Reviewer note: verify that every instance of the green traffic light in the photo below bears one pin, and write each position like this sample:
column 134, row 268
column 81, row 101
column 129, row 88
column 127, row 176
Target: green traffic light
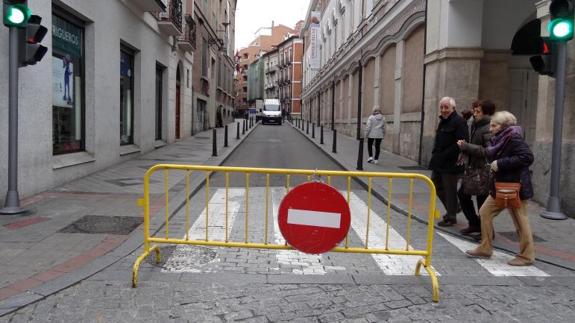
column 561, row 29
column 16, row 15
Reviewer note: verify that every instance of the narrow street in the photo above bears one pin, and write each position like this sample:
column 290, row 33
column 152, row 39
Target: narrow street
column 208, row 284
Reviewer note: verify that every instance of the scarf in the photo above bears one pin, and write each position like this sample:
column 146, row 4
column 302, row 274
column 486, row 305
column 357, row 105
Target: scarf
column 501, row 138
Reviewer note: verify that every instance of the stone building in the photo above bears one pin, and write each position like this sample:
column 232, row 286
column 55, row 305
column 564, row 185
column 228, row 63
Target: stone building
column 403, row 56
column 213, row 87
column 116, row 82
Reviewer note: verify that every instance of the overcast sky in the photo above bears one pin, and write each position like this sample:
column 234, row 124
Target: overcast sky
column 253, row 14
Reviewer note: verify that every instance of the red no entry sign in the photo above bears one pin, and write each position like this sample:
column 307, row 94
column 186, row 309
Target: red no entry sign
column 314, row 217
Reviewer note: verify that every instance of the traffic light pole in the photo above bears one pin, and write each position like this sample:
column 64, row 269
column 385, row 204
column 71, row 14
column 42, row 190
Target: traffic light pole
column 553, row 210
column 12, row 202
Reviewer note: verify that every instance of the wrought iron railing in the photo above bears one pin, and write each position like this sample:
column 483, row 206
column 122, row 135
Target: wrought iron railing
column 173, row 14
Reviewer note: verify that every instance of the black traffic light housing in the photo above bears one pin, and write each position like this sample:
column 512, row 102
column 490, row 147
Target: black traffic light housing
column 30, row 51
column 546, row 62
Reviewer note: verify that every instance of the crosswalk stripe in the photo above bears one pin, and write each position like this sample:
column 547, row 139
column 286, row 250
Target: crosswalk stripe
column 497, row 265
column 308, row 264
column 389, row 264
column 180, row 260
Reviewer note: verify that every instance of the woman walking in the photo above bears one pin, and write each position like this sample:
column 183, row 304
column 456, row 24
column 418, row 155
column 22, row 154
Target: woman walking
column 476, row 177
column 510, row 158
column 374, row 131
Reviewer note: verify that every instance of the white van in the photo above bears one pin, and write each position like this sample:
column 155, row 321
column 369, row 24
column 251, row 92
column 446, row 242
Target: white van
column 272, row 112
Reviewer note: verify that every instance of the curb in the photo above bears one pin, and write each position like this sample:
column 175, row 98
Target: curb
column 131, row 244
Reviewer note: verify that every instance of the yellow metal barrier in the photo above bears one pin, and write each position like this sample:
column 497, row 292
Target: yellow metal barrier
column 151, row 242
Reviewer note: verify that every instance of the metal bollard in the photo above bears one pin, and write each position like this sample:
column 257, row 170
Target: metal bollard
column 360, row 155
column 307, row 129
column 334, row 142
column 238, row 131
column 226, row 136
column 214, row 143
column 313, row 130
column 244, row 127
column 321, row 135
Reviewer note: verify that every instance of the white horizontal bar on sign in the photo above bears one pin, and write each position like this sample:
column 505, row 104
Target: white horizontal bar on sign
column 314, row 218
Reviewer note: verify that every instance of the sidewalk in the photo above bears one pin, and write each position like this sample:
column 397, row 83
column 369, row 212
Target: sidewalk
column 554, row 240
column 77, row 229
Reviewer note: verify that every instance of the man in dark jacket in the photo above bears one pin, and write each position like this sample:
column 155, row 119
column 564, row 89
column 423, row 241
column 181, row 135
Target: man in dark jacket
column 444, row 158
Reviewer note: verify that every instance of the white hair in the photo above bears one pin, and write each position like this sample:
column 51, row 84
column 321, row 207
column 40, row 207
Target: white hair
column 449, row 100
column 504, row 118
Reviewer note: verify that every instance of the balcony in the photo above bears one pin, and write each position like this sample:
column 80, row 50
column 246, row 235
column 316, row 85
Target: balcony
column 151, row 5
column 170, row 21
column 187, row 42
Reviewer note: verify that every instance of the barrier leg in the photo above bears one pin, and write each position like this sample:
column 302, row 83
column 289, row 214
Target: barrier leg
column 141, row 258
column 434, row 283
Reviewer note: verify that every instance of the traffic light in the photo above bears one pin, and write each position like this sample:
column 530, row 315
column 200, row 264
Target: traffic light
column 546, row 62
column 561, row 20
column 15, row 13
column 31, row 51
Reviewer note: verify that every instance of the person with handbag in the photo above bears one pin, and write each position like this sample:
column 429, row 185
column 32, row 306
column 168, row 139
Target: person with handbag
column 510, row 188
column 475, row 181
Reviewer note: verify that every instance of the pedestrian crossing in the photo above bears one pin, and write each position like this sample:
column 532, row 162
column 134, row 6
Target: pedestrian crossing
column 185, row 258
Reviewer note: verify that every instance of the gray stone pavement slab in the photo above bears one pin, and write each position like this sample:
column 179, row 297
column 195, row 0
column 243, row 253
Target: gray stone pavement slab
column 556, row 237
column 39, row 248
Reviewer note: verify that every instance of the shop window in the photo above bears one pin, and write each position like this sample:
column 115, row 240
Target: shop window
column 159, row 90
column 126, row 96
column 68, row 80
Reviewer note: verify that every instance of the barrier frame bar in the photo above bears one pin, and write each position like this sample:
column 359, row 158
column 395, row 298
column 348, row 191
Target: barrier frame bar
column 151, row 242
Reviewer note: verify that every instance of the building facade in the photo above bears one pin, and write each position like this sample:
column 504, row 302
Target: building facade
column 116, row 82
column 290, row 55
column 213, row 87
column 264, row 42
column 271, row 74
column 404, row 56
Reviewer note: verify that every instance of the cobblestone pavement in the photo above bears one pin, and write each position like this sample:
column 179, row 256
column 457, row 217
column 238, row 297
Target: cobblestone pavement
column 236, row 299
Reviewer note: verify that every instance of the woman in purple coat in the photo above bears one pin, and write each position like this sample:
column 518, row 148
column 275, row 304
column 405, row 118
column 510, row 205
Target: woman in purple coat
column 510, row 158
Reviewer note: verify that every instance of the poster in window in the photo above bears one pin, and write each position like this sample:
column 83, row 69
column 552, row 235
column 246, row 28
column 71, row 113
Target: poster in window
column 63, row 82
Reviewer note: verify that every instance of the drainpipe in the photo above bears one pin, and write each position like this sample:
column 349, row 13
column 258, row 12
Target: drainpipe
column 420, row 161
column 359, row 92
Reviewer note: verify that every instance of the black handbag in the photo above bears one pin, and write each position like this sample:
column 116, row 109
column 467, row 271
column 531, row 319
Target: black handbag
column 476, row 180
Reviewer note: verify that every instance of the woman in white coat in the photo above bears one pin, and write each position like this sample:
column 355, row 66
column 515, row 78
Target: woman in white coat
column 374, row 132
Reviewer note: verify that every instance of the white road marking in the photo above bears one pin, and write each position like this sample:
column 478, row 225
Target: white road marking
column 389, row 264
column 180, row 260
column 497, row 265
column 314, row 218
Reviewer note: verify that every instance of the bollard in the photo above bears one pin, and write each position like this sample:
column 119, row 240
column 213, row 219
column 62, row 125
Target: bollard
column 244, row 127
column 360, row 155
column 334, row 142
column 214, row 143
column 313, row 130
column 307, row 129
column 238, row 131
column 226, row 136
column 321, row 135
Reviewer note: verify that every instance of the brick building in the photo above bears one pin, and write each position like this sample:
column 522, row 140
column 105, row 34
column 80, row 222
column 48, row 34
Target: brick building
column 290, row 55
column 264, row 42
